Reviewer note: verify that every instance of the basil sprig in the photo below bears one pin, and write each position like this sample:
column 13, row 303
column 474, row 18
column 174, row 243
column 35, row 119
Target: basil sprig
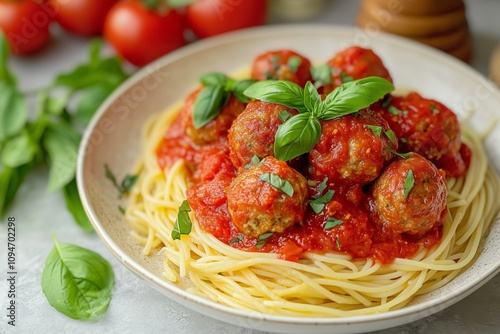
column 183, row 224
column 214, row 97
column 301, row 132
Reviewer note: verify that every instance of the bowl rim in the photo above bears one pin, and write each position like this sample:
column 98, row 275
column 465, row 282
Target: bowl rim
column 416, row 311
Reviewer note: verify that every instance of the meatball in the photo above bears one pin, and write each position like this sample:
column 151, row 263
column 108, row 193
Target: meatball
column 216, row 128
column 352, row 149
column 258, row 206
column 355, row 62
column 282, row 65
column 410, row 196
column 426, row 127
column 253, row 131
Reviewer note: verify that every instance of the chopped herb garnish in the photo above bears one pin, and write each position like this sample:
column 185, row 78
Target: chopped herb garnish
column 386, row 101
column 263, row 239
column 183, row 223
column 294, row 63
column 237, row 239
column 255, row 160
column 322, row 75
column 284, row 115
column 435, row 111
column 345, row 78
column 391, row 135
column 394, row 111
column 409, row 182
column 322, row 185
column 275, row 60
column 122, row 209
column 402, row 155
column 125, row 186
column 377, row 130
column 332, row 222
column 277, row 182
column 318, row 203
column 337, row 241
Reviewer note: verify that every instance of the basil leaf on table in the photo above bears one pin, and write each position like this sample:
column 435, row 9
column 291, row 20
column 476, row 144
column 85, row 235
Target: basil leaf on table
column 296, row 136
column 75, row 207
column 77, row 281
column 11, row 180
column 278, row 91
column 89, row 101
column 5, row 74
column 208, row 105
column 18, row 150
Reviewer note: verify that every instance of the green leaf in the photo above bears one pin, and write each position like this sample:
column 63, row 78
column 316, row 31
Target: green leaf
column 183, row 224
column 434, row 110
column 214, row 79
column 277, row 182
column 61, row 143
column 240, row 87
column 284, row 115
column 312, row 100
column 399, row 154
column 377, row 130
column 89, row 101
column 391, row 135
column 355, row 95
column 318, row 203
column 75, row 207
column 322, row 75
column 13, row 111
column 208, row 105
column 345, row 78
column 179, row 3
column 331, row 223
column 394, row 111
column 77, row 281
column 123, row 187
column 281, row 92
column 18, row 150
column 294, row 63
column 237, row 239
column 5, row 75
column 262, row 239
column 322, row 186
column 409, row 182
column 298, row 135
column 10, row 181
column 95, row 51
column 255, row 160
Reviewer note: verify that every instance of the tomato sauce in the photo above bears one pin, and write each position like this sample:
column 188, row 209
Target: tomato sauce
column 358, row 235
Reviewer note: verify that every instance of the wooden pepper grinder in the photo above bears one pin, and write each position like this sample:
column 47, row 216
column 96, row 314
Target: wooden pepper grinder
column 440, row 24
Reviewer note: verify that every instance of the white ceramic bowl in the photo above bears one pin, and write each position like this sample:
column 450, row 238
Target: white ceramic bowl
column 113, row 138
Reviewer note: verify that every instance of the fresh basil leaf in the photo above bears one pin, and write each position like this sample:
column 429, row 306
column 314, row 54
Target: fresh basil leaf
column 399, row 154
column 409, row 182
column 240, row 87
column 5, row 75
column 318, row 203
column 95, row 51
column 10, row 181
column 281, row 92
column 75, row 207
column 277, row 182
column 294, row 63
column 111, row 176
column 18, row 150
column 434, row 110
column 179, row 3
column 236, row 239
column 208, row 105
column 284, row 115
column 123, row 187
column 322, row 75
column 183, row 224
column 56, row 105
column 255, row 160
column 312, row 100
column 214, row 79
column 393, row 110
column 355, row 95
column 391, row 135
column 331, row 223
column 322, row 186
column 345, row 77
column 77, row 281
column 13, row 111
column 61, row 143
column 377, row 130
column 298, row 135
column 89, row 100
column 386, row 101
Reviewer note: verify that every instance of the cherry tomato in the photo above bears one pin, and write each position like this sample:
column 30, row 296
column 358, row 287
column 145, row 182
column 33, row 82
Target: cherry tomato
column 141, row 35
column 82, row 17
column 25, row 24
column 211, row 17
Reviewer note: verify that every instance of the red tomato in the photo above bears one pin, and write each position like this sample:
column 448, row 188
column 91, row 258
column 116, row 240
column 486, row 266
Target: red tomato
column 82, row 17
column 25, row 24
column 211, row 17
column 141, row 35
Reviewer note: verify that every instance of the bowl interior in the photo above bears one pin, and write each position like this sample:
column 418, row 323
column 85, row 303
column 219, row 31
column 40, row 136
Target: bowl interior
column 113, row 138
